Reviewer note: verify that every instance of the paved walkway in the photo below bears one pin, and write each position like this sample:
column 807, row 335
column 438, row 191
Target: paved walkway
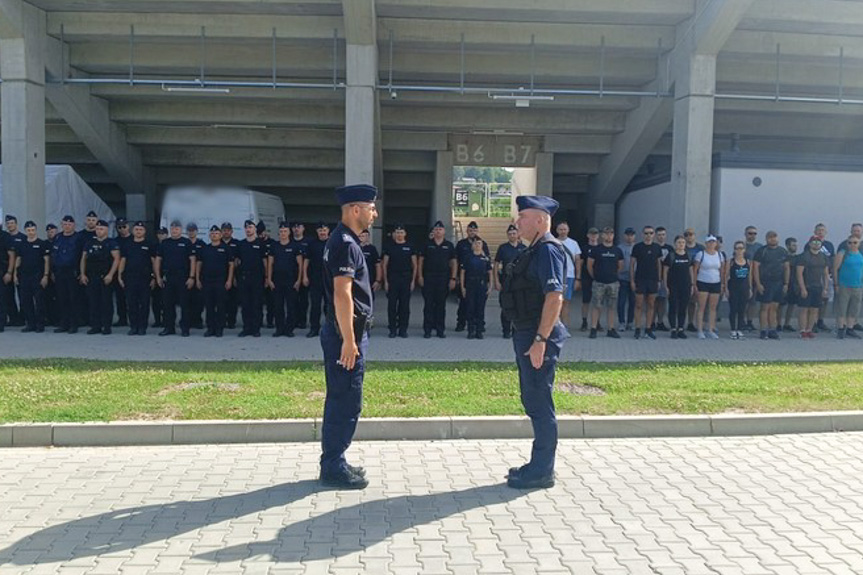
column 772, row 505
column 455, row 347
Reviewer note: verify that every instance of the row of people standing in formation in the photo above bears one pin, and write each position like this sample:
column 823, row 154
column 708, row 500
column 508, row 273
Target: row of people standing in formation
column 638, row 283
column 72, row 278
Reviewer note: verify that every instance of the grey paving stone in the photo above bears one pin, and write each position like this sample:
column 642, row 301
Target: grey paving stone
column 32, row 435
column 765, row 423
column 647, row 426
column 119, row 433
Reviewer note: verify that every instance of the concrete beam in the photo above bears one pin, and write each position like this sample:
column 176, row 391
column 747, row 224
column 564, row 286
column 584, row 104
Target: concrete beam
column 576, row 163
column 441, row 208
column 235, row 137
column 360, row 20
column 823, row 17
column 251, row 177
column 276, row 7
column 706, row 33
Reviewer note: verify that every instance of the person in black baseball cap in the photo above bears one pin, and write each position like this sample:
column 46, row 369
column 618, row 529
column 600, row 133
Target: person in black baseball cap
column 196, row 297
column 251, row 265
column 400, row 270
column 505, row 255
column 124, row 238
column 301, row 310
column 284, row 276
column 32, row 270
column 463, row 250
column 436, row 275
column 99, row 266
column 137, row 258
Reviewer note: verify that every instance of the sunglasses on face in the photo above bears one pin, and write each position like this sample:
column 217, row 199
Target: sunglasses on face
column 688, row 235
column 648, row 233
column 739, row 247
column 751, row 233
column 853, row 243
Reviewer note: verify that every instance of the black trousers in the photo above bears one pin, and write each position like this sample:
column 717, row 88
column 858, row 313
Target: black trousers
column 12, row 312
column 100, row 304
column 435, row 292
column 196, row 307
column 269, row 303
column 399, row 302
column 251, row 290
column 2, row 303
column 138, row 302
column 316, row 303
column 302, row 308
column 215, row 298
column 738, row 297
column 476, row 298
column 285, row 303
column 461, row 314
column 68, row 297
column 157, row 306
column 32, row 296
column 232, row 304
column 505, row 322
column 176, row 294
column 678, row 301
column 120, row 296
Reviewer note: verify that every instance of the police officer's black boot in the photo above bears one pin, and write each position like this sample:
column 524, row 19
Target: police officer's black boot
column 403, row 333
column 471, row 334
column 168, row 331
column 392, row 334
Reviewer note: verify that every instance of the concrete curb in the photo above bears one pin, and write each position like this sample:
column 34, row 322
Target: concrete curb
column 124, row 433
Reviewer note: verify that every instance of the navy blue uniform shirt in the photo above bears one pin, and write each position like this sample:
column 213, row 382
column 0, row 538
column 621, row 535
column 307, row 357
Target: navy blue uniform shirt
column 548, row 266
column 507, row 253
column 139, row 259
column 100, row 255
column 463, row 249
column 175, row 256
column 285, row 259
column 214, row 262
column 399, row 258
column 5, row 248
column 250, row 257
column 476, row 267
column 32, row 256
column 315, row 254
column 343, row 257
column 437, row 258
column 66, row 250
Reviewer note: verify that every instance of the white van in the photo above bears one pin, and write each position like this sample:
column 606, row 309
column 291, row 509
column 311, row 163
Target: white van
column 208, row 206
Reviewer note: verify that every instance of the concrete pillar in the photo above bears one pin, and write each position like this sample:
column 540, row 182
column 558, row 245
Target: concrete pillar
column 442, row 201
column 603, row 215
column 544, row 173
column 692, row 147
column 361, row 126
column 22, row 67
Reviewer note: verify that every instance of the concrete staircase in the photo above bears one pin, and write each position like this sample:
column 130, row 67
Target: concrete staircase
column 492, row 230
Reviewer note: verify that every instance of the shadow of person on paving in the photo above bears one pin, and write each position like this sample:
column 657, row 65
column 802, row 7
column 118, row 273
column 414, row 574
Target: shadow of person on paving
column 346, row 530
column 132, row 527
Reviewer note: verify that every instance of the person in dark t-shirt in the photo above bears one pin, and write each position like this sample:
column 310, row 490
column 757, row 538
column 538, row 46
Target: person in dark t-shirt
column 645, row 264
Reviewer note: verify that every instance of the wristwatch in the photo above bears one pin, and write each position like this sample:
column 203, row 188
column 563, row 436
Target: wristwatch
column 539, row 339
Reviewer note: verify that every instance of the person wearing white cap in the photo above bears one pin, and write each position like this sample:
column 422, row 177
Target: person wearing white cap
column 710, row 285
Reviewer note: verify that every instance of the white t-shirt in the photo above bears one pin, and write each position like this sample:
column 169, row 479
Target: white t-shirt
column 709, row 270
column 575, row 250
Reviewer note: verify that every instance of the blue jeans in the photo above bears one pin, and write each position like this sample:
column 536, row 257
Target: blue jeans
column 625, row 303
column 344, row 399
column 536, row 387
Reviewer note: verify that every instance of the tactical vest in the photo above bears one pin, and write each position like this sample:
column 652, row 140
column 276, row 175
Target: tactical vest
column 522, row 296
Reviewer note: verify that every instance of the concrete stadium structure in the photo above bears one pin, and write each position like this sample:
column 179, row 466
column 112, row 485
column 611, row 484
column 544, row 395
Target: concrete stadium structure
column 295, row 97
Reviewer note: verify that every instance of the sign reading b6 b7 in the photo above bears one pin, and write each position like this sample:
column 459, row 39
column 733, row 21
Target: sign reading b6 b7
column 506, row 151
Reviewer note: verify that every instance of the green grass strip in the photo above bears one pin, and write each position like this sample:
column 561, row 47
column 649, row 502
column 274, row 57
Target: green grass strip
column 80, row 390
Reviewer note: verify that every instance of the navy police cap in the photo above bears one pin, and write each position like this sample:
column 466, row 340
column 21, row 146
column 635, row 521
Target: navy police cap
column 176, row 224
column 438, row 224
column 10, row 218
column 191, row 227
column 472, row 226
column 120, row 222
column 68, row 218
column 227, row 226
column 284, row 226
column 511, row 228
column 102, row 223
column 29, row 224
column 356, row 193
column 215, row 228
column 322, row 225
column 139, row 224
column 261, row 227
column 92, row 214
column 50, row 227
column 163, row 231
column 399, row 228
column 542, row 203
column 248, row 223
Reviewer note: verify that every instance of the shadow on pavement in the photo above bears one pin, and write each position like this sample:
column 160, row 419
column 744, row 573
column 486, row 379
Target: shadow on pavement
column 335, row 533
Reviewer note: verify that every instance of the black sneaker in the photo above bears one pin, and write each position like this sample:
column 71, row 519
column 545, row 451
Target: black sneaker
column 840, row 333
column 427, row 335
column 638, row 333
column 681, row 334
column 459, row 327
column 749, row 326
column 478, row 335
column 772, row 334
column 857, row 327
column 441, row 335
column 599, row 326
column 649, row 333
column 345, row 479
column 592, row 333
column 674, row 334
column 584, row 325
column 612, row 333
column 507, row 335
column 93, row 331
column 519, row 482
column 313, row 333
column 167, row 331
column 403, row 334
column 661, row 327
column 763, row 334
column 691, row 328
column 820, row 325
column 392, row 334
column 787, row 328
column 852, row 334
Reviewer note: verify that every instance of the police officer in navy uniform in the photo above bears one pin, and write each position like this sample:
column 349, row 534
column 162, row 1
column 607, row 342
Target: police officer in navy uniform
column 250, row 257
column 232, row 303
column 7, row 272
column 373, row 261
column 533, row 296
column 156, row 300
column 196, row 298
column 52, row 313
column 87, row 234
column 32, row 271
column 298, row 237
column 269, row 295
column 400, row 270
column 505, row 255
column 284, row 278
column 175, row 274
column 313, row 264
column 436, row 275
column 13, row 313
column 65, row 266
column 99, row 264
column 463, row 250
column 136, row 276
column 215, row 275
column 476, row 280
column 124, row 238
column 344, row 337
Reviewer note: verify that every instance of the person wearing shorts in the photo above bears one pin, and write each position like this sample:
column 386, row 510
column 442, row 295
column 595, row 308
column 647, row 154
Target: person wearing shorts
column 604, row 264
column 771, row 273
column 811, row 277
column 848, row 271
column 587, row 280
column 790, row 301
column 738, row 286
column 645, row 266
column 573, row 269
column 710, row 285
